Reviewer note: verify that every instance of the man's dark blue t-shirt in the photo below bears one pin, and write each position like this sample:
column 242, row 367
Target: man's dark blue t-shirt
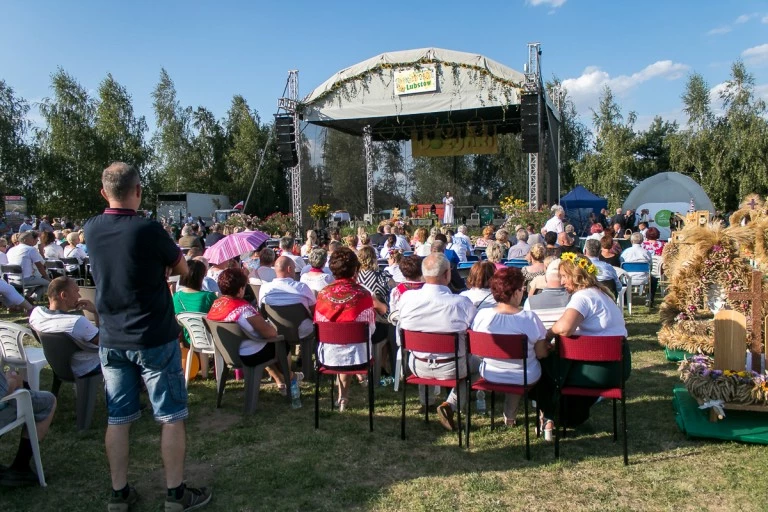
column 129, row 256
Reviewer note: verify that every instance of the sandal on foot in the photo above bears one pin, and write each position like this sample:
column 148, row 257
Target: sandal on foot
column 283, row 389
column 342, row 404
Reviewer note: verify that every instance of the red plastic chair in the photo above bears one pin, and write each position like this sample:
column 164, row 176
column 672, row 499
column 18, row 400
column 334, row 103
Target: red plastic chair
column 593, row 349
column 500, row 346
column 343, row 333
column 435, row 343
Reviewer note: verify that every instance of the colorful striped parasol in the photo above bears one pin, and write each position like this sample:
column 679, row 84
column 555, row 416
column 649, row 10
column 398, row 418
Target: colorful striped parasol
column 232, row 246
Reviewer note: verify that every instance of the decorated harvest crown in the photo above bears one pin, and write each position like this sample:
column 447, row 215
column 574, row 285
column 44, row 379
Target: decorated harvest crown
column 580, row 261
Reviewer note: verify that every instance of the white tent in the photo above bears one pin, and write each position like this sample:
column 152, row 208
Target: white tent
column 371, row 91
column 665, row 194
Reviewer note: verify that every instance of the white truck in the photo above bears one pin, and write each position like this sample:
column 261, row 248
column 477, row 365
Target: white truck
column 176, row 206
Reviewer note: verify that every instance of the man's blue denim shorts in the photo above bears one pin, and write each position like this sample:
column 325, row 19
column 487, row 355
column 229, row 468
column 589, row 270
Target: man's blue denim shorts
column 159, row 367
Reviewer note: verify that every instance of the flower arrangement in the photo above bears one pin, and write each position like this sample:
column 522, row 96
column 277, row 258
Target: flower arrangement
column 731, row 386
column 319, row 211
column 278, row 224
column 580, row 261
column 518, row 211
column 413, row 209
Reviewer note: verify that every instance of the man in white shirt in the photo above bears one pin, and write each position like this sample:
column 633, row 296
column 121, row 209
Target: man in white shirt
column 284, row 291
column 26, row 225
column 433, row 308
column 63, row 315
column 462, row 238
column 286, row 249
column 556, row 222
column 521, row 249
column 636, row 254
column 402, row 243
column 537, row 238
column 32, row 265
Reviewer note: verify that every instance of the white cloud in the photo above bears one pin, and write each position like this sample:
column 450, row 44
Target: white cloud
column 719, row 31
column 714, row 97
column 765, row 20
column 744, row 18
column 756, row 54
column 552, row 3
column 585, row 89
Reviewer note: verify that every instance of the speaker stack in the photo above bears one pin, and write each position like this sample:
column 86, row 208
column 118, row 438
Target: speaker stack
column 529, row 122
column 286, row 140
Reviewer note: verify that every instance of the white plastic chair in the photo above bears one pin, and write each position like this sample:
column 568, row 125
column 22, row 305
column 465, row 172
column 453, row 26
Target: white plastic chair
column 200, row 340
column 624, row 298
column 25, row 416
column 30, row 360
column 173, row 283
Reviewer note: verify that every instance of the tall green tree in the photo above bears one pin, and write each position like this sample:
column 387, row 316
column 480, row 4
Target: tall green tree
column 16, row 150
column 174, row 156
column 71, row 159
column 246, row 141
column 344, row 157
column 606, row 170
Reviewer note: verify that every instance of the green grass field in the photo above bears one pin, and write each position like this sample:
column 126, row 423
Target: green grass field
column 275, row 460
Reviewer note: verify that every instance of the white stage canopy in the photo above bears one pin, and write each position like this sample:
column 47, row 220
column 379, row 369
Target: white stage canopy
column 399, row 91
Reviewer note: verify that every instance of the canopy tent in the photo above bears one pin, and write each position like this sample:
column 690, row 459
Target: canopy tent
column 665, row 194
column 579, row 203
column 466, row 88
column 447, row 103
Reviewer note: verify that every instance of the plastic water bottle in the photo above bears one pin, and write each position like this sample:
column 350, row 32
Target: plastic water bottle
column 386, row 381
column 296, row 390
column 480, row 403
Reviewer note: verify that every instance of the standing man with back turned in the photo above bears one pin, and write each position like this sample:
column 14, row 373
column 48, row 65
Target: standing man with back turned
column 130, row 256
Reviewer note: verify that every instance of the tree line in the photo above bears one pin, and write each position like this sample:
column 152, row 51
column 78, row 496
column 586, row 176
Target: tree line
column 58, row 165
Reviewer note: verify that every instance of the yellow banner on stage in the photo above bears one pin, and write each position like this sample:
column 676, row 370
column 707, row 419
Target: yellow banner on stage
column 469, row 143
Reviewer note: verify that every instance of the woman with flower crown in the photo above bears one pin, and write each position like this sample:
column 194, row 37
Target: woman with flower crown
column 591, row 311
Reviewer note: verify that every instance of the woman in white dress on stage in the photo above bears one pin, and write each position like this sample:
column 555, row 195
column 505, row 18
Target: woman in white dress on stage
column 448, row 211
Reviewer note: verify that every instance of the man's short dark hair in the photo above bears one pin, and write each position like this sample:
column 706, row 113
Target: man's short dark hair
column 119, row 179
column 592, row 247
column 58, row 285
column 550, row 238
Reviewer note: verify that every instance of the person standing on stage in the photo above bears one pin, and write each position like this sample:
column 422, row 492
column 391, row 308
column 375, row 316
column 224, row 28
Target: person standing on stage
column 448, row 212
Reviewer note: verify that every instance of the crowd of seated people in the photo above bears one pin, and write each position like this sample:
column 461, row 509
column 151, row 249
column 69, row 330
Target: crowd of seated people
column 371, row 279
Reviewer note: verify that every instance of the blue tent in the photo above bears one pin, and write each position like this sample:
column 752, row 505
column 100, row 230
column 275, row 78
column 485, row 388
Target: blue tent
column 578, row 204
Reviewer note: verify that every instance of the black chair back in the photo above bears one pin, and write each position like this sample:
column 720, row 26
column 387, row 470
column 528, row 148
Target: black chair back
column 286, row 319
column 227, row 337
column 59, row 348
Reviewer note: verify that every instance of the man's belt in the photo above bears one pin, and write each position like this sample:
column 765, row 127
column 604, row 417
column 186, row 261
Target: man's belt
column 435, row 361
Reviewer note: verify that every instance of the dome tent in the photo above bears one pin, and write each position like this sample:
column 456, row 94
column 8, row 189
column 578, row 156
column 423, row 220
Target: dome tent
column 665, row 194
column 579, row 203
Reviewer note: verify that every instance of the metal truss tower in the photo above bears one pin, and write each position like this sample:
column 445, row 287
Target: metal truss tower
column 533, row 86
column 289, row 104
column 369, row 169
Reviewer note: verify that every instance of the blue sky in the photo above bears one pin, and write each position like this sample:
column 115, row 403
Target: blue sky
column 212, row 50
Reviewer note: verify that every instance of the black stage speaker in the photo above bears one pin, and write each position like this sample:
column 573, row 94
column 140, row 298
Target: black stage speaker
column 286, row 140
column 529, row 123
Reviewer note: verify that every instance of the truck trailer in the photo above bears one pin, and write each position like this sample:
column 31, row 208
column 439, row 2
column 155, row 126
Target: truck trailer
column 176, row 206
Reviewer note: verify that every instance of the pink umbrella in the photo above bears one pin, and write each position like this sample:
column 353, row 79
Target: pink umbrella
column 234, row 245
